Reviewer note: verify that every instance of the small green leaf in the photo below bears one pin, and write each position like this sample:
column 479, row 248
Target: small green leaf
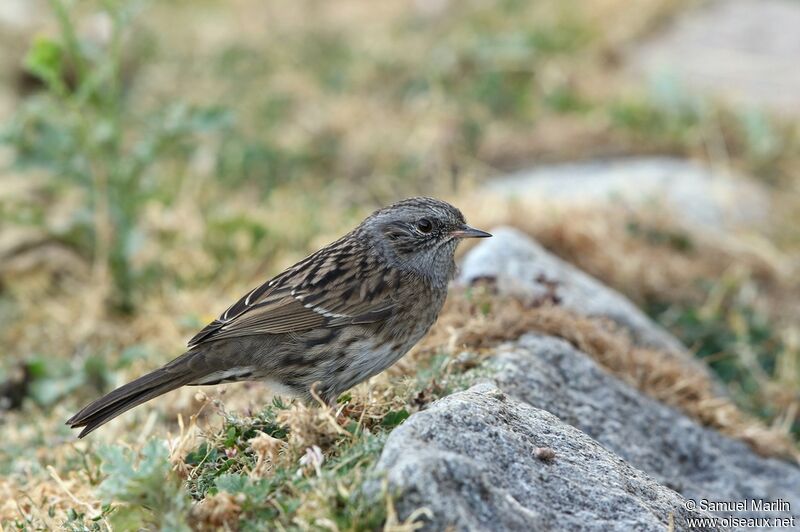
column 37, row 368
column 201, row 454
column 231, row 436
column 394, row 418
column 344, row 398
column 231, row 483
column 45, row 59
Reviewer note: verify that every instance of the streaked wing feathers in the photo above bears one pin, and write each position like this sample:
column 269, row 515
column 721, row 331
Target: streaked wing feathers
column 336, row 286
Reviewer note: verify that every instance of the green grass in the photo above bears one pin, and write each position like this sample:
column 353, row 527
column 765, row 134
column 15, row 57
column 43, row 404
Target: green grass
column 334, row 494
column 333, row 491
column 231, row 454
column 84, row 128
column 744, row 346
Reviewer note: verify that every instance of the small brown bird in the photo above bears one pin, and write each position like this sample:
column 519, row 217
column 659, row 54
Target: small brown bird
column 331, row 321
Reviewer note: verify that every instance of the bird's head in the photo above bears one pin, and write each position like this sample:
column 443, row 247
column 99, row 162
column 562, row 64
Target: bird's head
column 420, row 234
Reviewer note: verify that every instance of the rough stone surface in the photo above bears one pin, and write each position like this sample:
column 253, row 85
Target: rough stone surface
column 699, row 463
column 471, row 460
column 522, row 267
column 746, row 51
column 697, row 196
column 555, row 442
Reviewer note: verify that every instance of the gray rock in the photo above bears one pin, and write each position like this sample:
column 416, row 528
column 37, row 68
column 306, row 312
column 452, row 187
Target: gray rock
column 478, row 460
column 698, row 196
column 471, row 460
column 745, row 51
column 522, row 267
column 698, row 462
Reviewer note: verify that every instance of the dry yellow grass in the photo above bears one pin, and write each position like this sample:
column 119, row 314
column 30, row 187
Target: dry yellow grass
column 217, row 512
column 660, row 260
column 465, row 325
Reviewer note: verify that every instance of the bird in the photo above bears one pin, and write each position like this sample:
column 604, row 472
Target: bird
column 336, row 318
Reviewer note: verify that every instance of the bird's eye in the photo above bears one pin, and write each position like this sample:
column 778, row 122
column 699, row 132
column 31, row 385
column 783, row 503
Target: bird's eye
column 425, row 225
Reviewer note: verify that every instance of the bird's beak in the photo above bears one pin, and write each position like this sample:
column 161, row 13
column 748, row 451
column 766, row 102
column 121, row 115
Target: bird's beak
column 469, row 232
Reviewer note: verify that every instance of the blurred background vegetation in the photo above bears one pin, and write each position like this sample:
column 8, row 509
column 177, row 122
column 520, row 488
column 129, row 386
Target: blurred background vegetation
column 159, row 158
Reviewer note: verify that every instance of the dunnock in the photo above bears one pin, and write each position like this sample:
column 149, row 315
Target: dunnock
column 331, row 321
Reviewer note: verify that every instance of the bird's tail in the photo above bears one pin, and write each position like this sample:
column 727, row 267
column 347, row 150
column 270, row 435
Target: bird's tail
column 177, row 373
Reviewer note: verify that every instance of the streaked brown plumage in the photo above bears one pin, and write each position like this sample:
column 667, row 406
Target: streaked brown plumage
column 332, row 320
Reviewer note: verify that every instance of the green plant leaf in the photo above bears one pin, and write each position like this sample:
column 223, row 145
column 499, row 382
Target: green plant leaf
column 394, row 418
column 231, row 483
column 45, row 59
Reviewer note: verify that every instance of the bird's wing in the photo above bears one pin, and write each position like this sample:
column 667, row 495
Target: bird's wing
column 336, row 286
